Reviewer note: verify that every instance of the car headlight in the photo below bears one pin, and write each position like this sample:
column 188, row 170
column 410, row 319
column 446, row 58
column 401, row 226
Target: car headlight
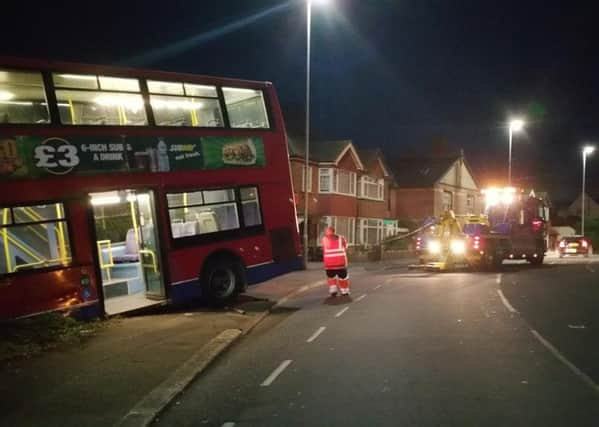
column 434, row 246
column 457, row 247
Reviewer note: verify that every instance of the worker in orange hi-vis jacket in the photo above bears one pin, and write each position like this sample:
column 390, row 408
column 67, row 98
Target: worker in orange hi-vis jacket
column 335, row 261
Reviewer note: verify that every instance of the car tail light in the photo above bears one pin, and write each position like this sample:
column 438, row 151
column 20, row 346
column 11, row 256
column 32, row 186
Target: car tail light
column 537, row 225
column 476, row 243
column 584, row 243
column 562, row 244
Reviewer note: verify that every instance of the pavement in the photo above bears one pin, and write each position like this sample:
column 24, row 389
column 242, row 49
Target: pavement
column 126, row 373
column 413, row 349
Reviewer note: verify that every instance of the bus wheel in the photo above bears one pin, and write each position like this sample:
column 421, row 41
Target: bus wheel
column 221, row 280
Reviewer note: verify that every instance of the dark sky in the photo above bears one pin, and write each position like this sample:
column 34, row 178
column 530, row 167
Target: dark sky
column 404, row 75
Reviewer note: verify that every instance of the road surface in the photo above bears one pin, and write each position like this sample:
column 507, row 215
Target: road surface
column 416, row 349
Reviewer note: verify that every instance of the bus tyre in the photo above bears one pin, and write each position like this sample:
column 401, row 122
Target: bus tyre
column 221, row 280
column 537, row 260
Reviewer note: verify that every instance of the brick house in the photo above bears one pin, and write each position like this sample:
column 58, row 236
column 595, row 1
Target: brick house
column 348, row 189
column 429, row 186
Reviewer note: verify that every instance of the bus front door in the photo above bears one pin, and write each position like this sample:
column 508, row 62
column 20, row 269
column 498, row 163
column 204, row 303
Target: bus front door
column 128, row 249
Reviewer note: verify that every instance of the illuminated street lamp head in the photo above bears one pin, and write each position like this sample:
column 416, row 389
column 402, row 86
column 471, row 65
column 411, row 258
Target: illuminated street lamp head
column 516, row 125
column 588, row 149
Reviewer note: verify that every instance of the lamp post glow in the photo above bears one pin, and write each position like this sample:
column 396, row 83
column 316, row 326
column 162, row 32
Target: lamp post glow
column 586, row 150
column 516, row 125
column 307, row 144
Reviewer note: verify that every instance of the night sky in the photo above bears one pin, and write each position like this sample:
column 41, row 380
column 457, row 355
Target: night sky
column 409, row 76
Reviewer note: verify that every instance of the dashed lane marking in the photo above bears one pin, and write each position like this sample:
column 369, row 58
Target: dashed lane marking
column 506, row 302
column 377, row 287
column 316, row 334
column 584, row 377
column 361, row 297
column 498, row 278
column 229, row 424
column 273, row 376
column 341, row 312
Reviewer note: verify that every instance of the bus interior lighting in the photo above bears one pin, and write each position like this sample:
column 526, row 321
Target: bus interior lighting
column 105, row 200
column 239, row 89
column 16, row 102
column 77, row 77
column 6, row 95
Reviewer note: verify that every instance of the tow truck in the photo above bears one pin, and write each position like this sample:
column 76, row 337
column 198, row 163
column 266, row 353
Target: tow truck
column 513, row 226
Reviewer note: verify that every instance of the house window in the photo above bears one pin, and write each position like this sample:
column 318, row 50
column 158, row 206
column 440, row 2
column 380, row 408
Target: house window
column 370, row 231
column 337, row 181
column 372, row 188
column 470, row 203
column 344, row 226
column 309, row 178
column 325, row 183
column 346, row 182
column 447, row 201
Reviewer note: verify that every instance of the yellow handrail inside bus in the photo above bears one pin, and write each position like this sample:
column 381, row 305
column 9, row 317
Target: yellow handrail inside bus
column 35, row 217
column 154, row 264
column 122, row 115
column 185, row 200
column 194, row 117
column 105, row 265
column 5, row 212
column 62, row 249
column 72, row 111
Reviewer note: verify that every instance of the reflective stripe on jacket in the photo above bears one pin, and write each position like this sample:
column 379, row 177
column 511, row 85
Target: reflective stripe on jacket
column 333, row 252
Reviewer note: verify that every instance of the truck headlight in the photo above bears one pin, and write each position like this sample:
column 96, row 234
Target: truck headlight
column 434, row 246
column 457, row 247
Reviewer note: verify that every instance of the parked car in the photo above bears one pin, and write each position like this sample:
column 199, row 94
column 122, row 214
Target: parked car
column 575, row 245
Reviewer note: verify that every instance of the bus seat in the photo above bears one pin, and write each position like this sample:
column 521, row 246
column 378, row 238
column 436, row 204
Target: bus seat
column 189, row 228
column 177, row 229
column 131, row 253
column 207, row 222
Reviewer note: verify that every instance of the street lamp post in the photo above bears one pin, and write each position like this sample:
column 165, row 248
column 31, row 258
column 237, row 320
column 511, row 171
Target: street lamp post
column 307, row 143
column 586, row 150
column 516, row 125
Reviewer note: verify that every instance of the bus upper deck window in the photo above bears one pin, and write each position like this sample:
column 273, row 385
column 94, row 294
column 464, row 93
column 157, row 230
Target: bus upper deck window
column 22, row 98
column 185, row 104
column 246, row 108
column 85, row 99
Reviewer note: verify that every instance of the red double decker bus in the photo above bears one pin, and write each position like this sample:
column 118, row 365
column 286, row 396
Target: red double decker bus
column 122, row 188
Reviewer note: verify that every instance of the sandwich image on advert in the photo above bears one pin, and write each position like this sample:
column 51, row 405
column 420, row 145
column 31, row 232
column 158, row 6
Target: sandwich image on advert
column 239, row 153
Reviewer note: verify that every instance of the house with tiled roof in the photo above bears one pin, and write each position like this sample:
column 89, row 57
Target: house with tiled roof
column 428, row 186
column 348, row 188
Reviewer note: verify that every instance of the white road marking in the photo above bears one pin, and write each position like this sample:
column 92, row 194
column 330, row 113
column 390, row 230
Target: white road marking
column 341, row 312
column 229, row 424
column 588, row 267
column 378, row 287
column 361, row 297
column 498, row 278
column 506, row 302
column 272, row 377
column 316, row 334
column 584, row 377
